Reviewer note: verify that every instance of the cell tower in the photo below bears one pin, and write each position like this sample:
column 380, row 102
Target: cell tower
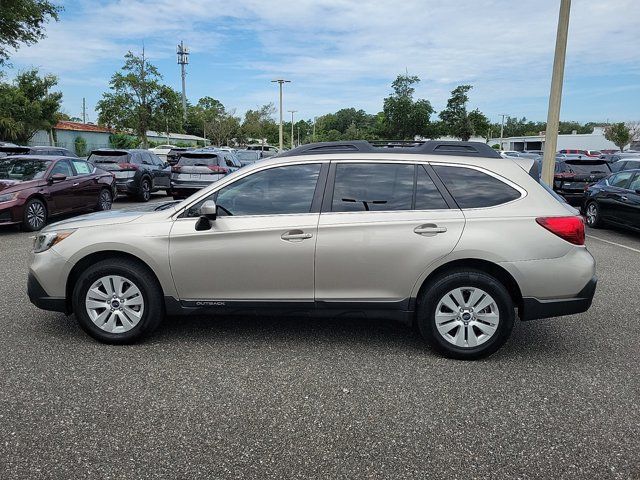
column 183, row 60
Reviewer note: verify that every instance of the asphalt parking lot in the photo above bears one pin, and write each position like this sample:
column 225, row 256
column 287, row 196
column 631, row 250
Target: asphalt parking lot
column 298, row 398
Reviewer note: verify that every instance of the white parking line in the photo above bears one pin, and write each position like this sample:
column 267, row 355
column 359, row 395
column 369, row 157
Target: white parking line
column 614, row 243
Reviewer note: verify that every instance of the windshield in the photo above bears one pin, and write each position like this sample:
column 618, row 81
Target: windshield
column 22, row 169
column 588, row 167
column 108, row 158
column 201, row 160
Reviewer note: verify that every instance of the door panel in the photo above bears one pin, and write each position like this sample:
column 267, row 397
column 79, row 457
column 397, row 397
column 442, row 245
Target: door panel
column 378, row 256
column 245, row 258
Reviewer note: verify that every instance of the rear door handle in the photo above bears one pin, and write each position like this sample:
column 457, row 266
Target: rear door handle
column 295, row 236
column 76, row 184
column 429, row 229
column 624, row 198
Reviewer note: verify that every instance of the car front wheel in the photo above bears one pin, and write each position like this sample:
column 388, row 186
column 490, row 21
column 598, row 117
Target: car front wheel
column 34, row 216
column 117, row 301
column 466, row 314
column 592, row 215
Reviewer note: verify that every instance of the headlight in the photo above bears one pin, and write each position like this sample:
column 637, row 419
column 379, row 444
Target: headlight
column 44, row 241
column 7, row 197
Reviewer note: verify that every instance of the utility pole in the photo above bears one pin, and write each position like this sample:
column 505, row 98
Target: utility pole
column 292, row 112
column 166, row 121
column 502, row 129
column 314, row 128
column 555, row 95
column 183, row 60
column 84, row 110
column 280, row 82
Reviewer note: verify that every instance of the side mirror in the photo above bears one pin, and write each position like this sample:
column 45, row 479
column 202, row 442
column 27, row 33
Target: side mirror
column 58, row 177
column 638, row 191
column 208, row 212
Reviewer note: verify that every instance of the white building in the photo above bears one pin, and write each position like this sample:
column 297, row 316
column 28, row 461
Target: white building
column 581, row 141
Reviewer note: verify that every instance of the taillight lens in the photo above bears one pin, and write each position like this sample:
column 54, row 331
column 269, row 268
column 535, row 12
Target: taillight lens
column 175, row 169
column 570, row 229
column 218, row 169
column 128, row 166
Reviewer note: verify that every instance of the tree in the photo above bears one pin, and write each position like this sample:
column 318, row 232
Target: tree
column 27, row 105
column 405, row 118
column 138, row 101
column 619, row 134
column 22, row 22
column 480, row 124
column 454, row 117
column 259, row 124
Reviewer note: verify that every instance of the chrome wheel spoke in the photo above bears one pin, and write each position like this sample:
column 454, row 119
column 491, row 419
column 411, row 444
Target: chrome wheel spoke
column 458, row 296
column 484, row 328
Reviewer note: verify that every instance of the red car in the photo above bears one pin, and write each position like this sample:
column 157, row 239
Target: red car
column 34, row 188
column 588, row 153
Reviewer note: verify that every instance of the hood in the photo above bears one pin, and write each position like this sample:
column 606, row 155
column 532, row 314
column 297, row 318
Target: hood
column 16, row 185
column 112, row 217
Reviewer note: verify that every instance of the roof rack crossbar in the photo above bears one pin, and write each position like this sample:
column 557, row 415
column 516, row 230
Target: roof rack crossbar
column 419, row 147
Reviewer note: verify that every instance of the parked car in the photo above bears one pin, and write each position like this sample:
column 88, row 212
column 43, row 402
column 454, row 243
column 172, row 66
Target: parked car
column 162, row 151
column 447, row 236
column 626, row 163
column 138, row 172
column 573, row 176
column 617, row 159
column 614, row 200
column 265, row 150
column 199, row 168
column 588, row 153
column 174, row 154
column 7, row 150
column 35, row 188
column 248, row 157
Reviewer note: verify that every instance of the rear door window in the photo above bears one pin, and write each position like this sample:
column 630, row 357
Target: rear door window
column 373, row 187
column 82, row 167
column 472, row 188
column 428, row 196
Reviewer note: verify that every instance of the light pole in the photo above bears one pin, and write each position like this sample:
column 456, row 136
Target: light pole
column 314, row 128
column 555, row 95
column 502, row 129
column 183, row 59
column 280, row 82
column 292, row 112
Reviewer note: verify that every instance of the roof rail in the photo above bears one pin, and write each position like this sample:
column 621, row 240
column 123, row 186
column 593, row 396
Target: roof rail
column 419, row 147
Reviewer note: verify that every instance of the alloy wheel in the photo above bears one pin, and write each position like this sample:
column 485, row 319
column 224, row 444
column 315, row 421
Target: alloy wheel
column 105, row 200
column 146, row 190
column 114, row 304
column 592, row 214
column 36, row 215
column 467, row 317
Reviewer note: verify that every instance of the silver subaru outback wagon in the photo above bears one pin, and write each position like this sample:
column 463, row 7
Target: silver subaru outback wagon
column 446, row 236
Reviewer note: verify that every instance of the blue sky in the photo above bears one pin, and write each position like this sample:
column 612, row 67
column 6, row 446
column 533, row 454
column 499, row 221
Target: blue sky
column 341, row 53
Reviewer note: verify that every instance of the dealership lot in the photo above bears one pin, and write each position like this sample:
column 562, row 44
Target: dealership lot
column 302, row 398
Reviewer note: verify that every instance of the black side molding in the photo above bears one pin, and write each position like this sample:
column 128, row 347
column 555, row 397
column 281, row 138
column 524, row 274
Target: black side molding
column 533, row 309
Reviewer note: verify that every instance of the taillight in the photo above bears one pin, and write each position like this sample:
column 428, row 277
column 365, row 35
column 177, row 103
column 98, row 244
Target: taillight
column 218, row 169
column 175, row 169
column 128, row 166
column 570, row 229
column 565, row 175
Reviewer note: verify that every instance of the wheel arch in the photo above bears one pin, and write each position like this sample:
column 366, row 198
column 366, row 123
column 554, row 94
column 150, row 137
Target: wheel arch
column 95, row 257
column 485, row 266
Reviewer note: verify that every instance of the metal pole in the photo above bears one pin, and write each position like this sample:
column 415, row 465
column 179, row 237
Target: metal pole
column 502, row 131
column 292, row 112
column 280, row 82
column 314, row 128
column 183, row 60
column 84, row 111
column 555, row 95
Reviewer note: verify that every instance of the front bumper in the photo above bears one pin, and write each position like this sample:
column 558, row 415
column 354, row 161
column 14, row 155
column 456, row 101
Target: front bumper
column 533, row 308
column 38, row 296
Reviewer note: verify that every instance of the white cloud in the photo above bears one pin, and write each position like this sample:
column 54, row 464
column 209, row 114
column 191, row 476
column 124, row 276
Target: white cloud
column 345, row 47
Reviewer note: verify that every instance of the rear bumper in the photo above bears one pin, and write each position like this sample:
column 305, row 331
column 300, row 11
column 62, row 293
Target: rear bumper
column 533, row 308
column 38, row 296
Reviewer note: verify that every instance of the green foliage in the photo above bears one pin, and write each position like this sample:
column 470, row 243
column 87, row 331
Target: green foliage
column 405, row 118
column 259, row 124
column 27, row 105
column 496, row 146
column 122, row 140
column 619, row 134
column 211, row 119
column 454, row 117
column 81, row 146
column 138, row 101
column 22, row 22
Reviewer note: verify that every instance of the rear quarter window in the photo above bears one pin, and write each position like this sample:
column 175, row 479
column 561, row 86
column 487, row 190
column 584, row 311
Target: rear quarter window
column 475, row 189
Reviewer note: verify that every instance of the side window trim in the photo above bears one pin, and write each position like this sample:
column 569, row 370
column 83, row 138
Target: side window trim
column 451, row 203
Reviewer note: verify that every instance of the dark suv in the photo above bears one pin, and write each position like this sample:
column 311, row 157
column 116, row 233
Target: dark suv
column 573, row 176
column 138, row 172
column 7, row 150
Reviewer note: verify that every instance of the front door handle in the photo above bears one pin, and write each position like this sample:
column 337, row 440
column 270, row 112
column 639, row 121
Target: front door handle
column 76, row 184
column 429, row 229
column 295, row 236
column 624, row 198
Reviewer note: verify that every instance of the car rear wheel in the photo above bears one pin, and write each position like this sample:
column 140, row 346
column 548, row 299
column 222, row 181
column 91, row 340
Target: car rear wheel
column 145, row 190
column 105, row 200
column 466, row 315
column 34, row 216
column 117, row 301
column 592, row 215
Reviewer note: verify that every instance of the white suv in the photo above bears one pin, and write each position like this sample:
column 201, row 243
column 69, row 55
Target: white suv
column 446, row 236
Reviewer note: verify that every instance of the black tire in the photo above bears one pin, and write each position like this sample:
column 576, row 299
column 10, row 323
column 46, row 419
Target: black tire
column 592, row 215
column 105, row 200
column 438, row 289
column 146, row 282
column 144, row 192
column 34, row 215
